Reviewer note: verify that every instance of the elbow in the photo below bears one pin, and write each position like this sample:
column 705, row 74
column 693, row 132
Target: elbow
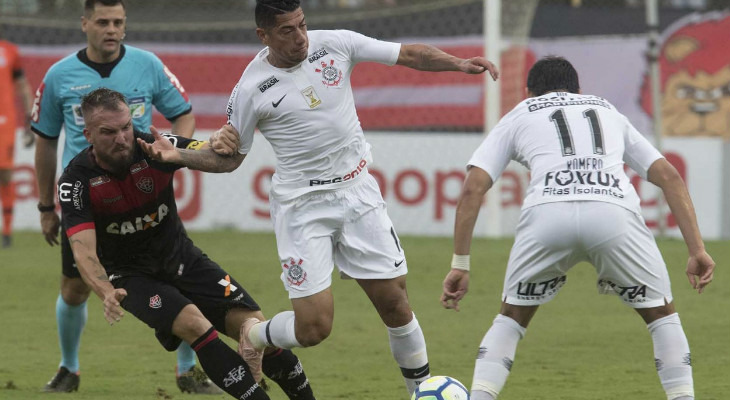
column 235, row 162
column 665, row 176
column 231, row 165
column 473, row 191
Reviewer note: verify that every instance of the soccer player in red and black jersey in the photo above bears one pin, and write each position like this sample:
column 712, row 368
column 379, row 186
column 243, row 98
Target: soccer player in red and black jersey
column 131, row 248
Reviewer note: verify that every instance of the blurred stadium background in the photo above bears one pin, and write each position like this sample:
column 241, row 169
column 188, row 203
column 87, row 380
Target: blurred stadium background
column 412, row 116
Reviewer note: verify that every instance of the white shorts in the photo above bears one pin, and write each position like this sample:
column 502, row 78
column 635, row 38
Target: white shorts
column 551, row 238
column 348, row 227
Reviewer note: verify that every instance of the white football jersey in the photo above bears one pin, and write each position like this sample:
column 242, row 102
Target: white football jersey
column 307, row 112
column 575, row 147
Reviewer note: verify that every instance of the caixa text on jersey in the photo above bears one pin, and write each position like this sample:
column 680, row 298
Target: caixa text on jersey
column 140, row 223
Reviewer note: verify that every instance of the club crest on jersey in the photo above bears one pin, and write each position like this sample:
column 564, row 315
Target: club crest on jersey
column 146, row 184
column 155, row 301
column 295, row 274
column 138, row 167
column 331, row 75
column 267, row 83
column 99, row 180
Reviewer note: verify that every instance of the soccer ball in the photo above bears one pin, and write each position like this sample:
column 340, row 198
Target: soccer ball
column 440, row 388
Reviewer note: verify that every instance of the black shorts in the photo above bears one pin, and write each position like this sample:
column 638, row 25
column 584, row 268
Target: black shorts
column 157, row 301
column 68, row 264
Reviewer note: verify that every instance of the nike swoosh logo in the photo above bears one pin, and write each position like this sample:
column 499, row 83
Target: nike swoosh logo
column 398, row 263
column 278, row 102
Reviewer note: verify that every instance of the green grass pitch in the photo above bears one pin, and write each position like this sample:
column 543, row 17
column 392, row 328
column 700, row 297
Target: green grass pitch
column 580, row 346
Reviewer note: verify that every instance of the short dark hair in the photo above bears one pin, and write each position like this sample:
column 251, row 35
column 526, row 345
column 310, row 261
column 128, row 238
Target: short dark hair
column 267, row 10
column 90, row 5
column 552, row 73
column 103, row 98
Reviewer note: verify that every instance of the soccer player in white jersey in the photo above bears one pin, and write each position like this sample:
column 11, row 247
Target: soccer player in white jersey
column 579, row 206
column 325, row 206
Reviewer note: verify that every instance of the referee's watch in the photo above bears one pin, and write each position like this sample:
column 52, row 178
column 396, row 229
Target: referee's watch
column 45, row 209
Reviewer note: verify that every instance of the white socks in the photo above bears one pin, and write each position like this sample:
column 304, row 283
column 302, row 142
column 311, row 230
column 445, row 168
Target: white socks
column 497, row 351
column 672, row 357
column 409, row 350
column 494, row 361
column 479, row 395
column 278, row 332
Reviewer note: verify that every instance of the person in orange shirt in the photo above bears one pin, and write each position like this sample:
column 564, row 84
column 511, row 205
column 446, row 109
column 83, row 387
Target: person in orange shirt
column 12, row 82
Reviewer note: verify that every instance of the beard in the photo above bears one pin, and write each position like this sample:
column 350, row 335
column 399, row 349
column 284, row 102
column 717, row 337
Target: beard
column 118, row 161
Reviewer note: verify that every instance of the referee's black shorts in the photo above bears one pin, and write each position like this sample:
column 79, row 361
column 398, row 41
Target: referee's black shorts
column 157, row 301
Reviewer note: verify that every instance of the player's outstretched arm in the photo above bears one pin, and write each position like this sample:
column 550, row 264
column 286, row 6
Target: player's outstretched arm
column 161, row 149
column 424, row 57
column 700, row 266
column 83, row 246
column 202, row 159
column 207, row 160
column 456, row 283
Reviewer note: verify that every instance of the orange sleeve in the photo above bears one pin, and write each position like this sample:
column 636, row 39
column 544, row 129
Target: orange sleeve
column 17, row 66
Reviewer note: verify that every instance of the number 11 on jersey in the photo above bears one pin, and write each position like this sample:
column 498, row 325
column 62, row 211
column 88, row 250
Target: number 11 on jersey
column 566, row 138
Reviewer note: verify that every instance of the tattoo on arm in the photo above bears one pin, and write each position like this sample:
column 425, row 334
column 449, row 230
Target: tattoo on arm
column 208, row 161
column 93, row 261
column 100, row 271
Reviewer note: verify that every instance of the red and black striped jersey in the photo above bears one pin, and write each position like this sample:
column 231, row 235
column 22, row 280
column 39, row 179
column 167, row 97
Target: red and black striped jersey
column 135, row 217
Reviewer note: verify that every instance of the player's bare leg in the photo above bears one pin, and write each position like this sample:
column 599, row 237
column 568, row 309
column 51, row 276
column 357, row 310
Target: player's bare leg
column 238, row 321
column 497, row 350
column 313, row 317
column 308, row 325
column 671, row 351
column 390, row 298
column 74, row 291
column 222, row 364
column 280, row 365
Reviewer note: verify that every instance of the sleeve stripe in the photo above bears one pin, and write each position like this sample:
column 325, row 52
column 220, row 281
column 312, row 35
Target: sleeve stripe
column 188, row 111
column 43, row 135
column 80, row 227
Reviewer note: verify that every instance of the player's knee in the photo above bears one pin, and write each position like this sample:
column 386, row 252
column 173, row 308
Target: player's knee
column 235, row 318
column 656, row 313
column 313, row 333
column 395, row 311
column 74, row 291
column 190, row 324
